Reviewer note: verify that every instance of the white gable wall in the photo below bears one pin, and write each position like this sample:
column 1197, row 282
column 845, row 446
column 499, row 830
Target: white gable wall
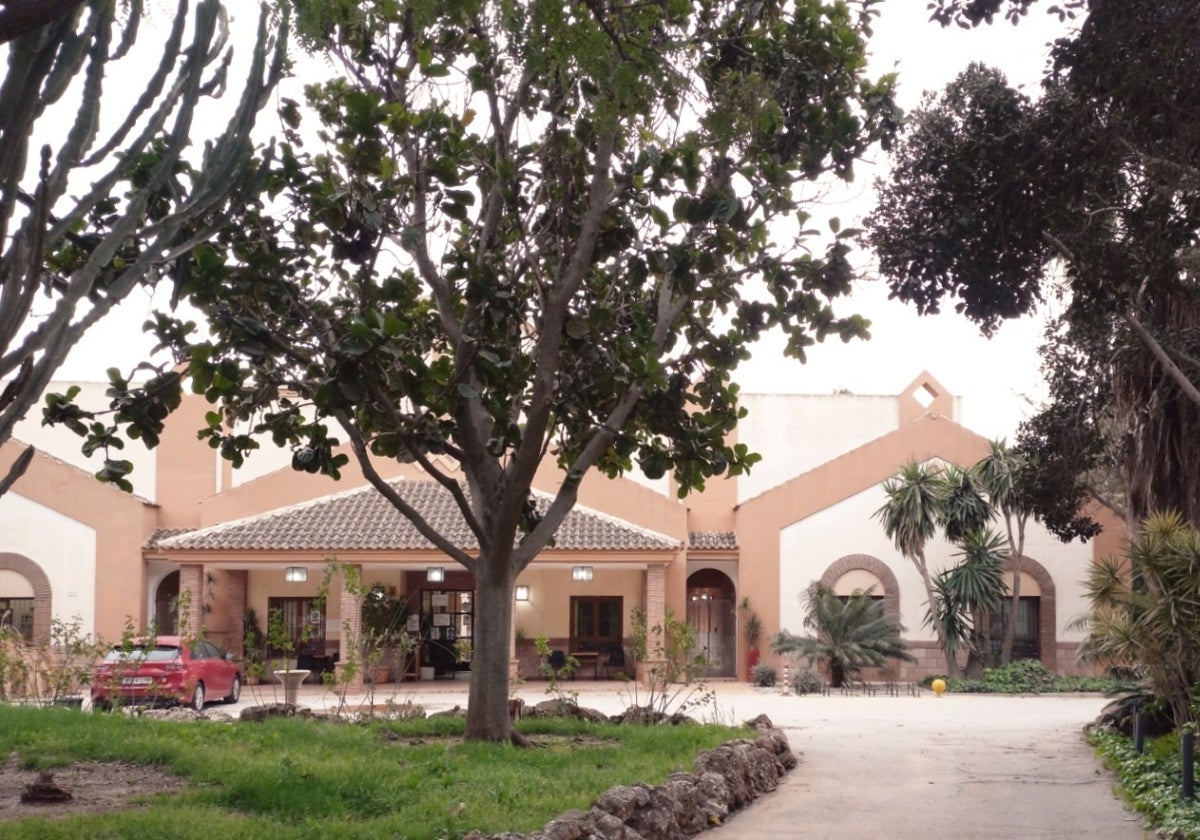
column 64, row 548
column 809, row 547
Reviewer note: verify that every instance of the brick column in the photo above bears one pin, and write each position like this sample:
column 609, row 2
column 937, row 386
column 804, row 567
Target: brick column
column 191, row 593
column 656, row 616
column 350, row 614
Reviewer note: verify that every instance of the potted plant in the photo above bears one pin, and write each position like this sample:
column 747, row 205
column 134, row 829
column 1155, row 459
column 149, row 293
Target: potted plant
column 462, row 656
column 385, row 640
column 753, row 634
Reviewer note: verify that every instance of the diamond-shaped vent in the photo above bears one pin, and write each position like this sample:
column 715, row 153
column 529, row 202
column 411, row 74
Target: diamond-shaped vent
column 925, row 396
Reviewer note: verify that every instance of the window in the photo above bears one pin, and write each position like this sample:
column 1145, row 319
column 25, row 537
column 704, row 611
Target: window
column 1026, row 634
column 596, row 623
column 17, row 614
column 303, row 621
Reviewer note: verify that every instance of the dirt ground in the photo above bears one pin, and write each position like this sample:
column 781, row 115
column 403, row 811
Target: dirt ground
column 93, row 788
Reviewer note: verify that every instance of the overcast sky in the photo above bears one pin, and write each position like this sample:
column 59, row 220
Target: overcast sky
column 996, row 377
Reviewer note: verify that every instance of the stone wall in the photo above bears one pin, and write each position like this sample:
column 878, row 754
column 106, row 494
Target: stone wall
column 722, row 781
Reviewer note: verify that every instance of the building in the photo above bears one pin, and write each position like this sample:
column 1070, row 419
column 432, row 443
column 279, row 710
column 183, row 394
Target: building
column 262, row 538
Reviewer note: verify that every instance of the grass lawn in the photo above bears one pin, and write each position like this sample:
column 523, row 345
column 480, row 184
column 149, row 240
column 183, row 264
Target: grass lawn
column 295, row 778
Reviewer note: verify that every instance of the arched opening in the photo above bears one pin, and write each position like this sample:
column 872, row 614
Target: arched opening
column 860, row 572
column 25, row 590
column 712, row 615
column 166, row 605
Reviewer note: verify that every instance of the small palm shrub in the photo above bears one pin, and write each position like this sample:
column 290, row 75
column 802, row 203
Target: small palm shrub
column 806, row 681
column 764, row 675
column 845, row 635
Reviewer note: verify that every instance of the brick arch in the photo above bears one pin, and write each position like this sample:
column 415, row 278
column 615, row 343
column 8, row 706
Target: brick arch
column 1047, row 608
column 868, row 563
column 33, row 573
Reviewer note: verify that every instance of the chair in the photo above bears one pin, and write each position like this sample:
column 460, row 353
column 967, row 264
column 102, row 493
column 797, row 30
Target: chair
column 556, row 661
column 616, row 659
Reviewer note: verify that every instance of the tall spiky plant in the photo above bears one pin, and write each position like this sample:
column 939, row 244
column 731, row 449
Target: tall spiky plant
column 910, row 518
column 1145, row 610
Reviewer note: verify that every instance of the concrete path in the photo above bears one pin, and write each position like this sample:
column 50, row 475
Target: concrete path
column 959, row 766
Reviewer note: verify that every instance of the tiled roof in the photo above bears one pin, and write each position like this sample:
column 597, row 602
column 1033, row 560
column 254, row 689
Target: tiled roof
column 712, row 540
column 164, row 533
column 363, row 520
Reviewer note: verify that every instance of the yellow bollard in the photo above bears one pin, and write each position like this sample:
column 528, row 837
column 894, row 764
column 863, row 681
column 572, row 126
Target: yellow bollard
column 938, row 686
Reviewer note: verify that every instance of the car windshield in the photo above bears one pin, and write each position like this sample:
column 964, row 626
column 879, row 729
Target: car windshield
column 158, row 653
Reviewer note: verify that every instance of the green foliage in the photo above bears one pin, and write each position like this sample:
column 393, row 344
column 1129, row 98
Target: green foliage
column 532, row 228
column 1145, row 611
column 846, row 635
column 1150, row 782
column 671, row 681
column 753, row 623
column 555, row 675
column 1084, row 195
column 287, row 778
column 1026, row 676
column 764, row 675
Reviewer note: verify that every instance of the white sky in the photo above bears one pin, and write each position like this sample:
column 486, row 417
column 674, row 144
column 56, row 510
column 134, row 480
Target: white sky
column 996, row 377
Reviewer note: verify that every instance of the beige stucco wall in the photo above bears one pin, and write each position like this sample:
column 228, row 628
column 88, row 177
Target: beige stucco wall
column 64, row 549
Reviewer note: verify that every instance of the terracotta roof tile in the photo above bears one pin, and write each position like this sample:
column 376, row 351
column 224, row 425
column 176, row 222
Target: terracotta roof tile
column 712, row 540
column 363, row 520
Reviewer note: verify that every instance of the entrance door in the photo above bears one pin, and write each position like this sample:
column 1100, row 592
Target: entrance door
column 166, row 606
column 712, row 616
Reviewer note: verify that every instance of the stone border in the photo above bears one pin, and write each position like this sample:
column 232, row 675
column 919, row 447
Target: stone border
column 724, row 780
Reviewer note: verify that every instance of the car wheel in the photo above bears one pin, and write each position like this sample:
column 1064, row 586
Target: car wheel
column 197, row 703
column 235, row 690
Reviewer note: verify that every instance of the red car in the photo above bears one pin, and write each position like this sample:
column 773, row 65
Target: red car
column 164, row 669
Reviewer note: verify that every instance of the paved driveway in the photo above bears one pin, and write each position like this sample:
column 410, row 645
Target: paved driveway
column 895, row 768
column 959, row 766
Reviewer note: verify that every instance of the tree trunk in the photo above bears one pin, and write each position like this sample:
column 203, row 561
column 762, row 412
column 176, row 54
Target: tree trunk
column 487, row 704
column 1010, row 623
column 951, row 659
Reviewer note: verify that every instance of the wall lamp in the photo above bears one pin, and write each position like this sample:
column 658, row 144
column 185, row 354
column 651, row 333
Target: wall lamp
column 295, row 574
column 435, row 574
column 522, row 592
column 581, row 573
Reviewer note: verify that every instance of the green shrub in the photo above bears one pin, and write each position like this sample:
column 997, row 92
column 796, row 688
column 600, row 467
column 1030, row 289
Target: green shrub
column 1025, row 676
column 1150, row 782
column 805, row 681
column 764, row 675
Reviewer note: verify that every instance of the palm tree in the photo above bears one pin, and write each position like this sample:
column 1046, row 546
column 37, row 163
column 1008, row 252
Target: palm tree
column 999, row 472
column 968, row 595
column 1145, row 610
column 910, row 518
column 847, row 634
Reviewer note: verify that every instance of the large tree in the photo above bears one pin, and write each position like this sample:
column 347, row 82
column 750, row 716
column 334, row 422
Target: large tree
column 1089, row 193
column 531, row 232
column 108, row 201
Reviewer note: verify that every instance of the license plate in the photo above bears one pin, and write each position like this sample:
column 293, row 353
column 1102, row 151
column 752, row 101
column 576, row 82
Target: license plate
column 136, row 681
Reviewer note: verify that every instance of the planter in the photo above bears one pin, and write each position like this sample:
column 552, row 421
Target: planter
column 462, row 675
column 427, row 672
column 380, row 674
column 751, row 660
column 291, row 683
